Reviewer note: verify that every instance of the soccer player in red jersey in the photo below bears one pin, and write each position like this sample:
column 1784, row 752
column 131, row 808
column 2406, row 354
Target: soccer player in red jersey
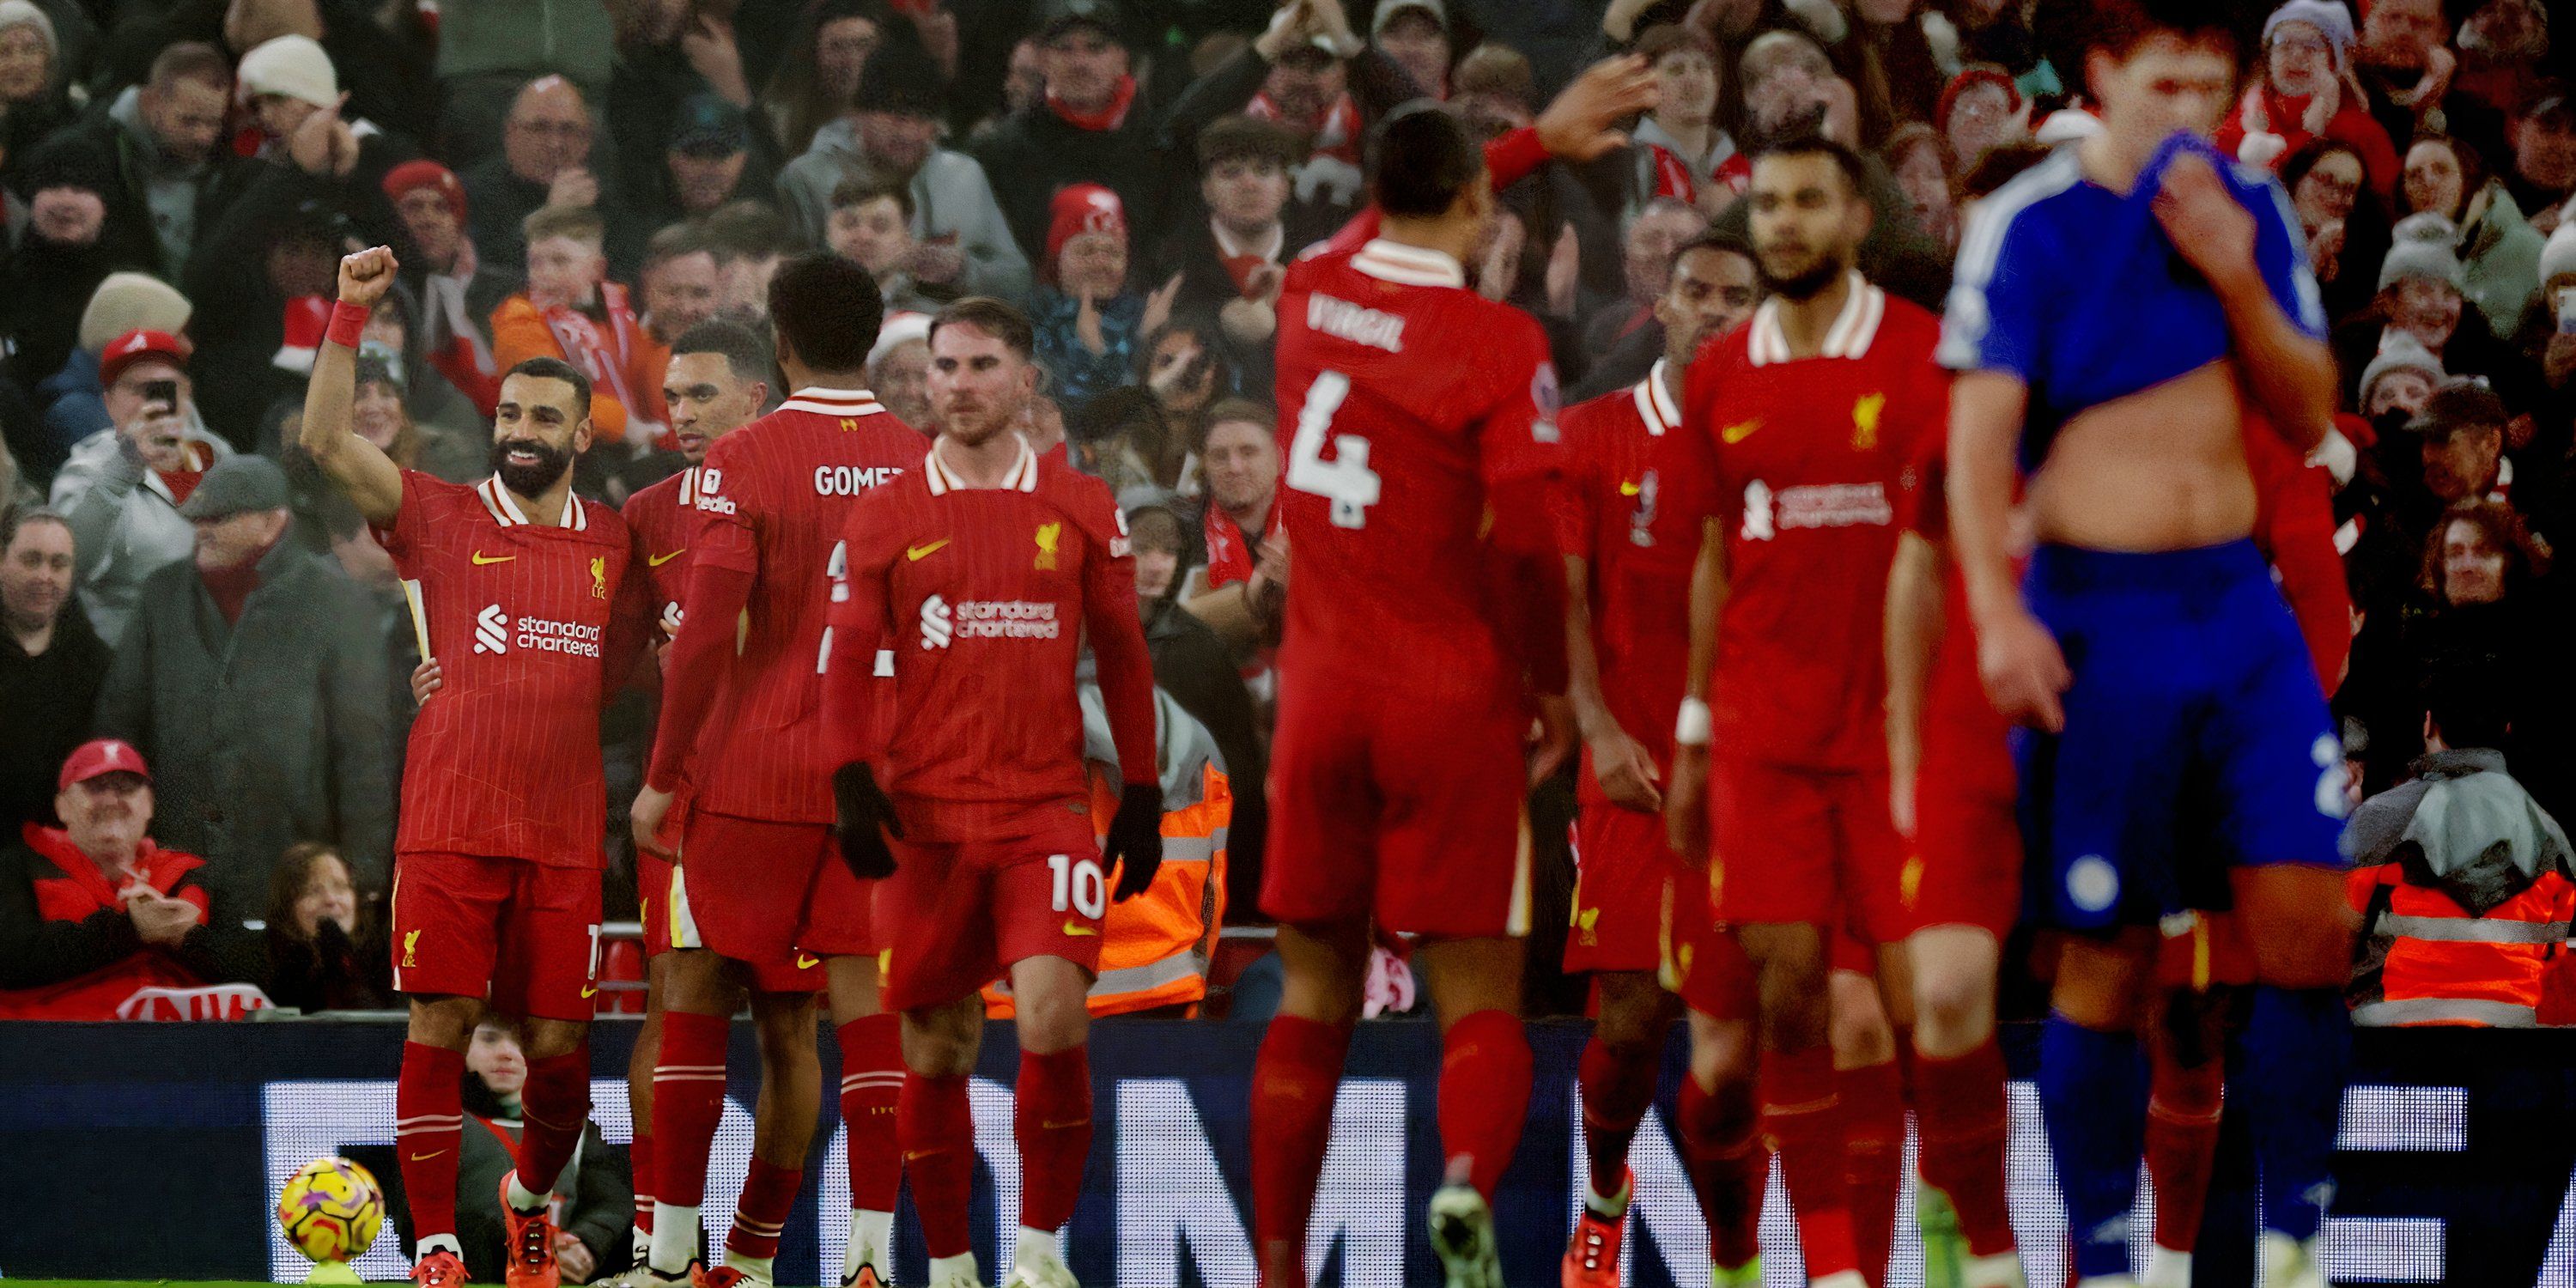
column 991, row 563
column 1798, row 430
column 716, row 382
column 742, row 726
column 1625, row 635
column 523, row 589
column 1427, row 603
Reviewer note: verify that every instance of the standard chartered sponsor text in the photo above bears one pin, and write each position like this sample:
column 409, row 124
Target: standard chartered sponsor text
column 1013, row 619
column 547, row 636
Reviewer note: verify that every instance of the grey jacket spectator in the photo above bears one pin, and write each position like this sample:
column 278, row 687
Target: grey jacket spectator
column 892, row 133
column 162, row 143
column 125, row 518
column 2461, row 825
column 51, row 664
column 251, row 676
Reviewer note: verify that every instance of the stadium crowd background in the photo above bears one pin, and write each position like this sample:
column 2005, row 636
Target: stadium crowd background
column 590, row 179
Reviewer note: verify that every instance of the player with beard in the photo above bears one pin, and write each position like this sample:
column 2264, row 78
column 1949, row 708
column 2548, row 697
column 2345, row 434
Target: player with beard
column 992, row 562
column 1625, row 629
column 522, row 589
column 716, row 382
column 1798, row 428
column 772, row 909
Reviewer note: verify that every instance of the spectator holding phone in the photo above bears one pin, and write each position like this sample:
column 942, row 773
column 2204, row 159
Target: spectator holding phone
column 123, row 485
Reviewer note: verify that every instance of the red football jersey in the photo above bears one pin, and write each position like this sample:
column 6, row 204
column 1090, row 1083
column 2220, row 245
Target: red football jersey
column 1802, row 462
column 1960, row 724
column 525, row 619
column 1420, row 420
column 663, row 519
column 987, row 593
column 772, row 501
column 1640, row 608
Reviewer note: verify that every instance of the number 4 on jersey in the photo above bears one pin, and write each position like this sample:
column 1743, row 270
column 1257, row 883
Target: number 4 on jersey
column 1346, row 480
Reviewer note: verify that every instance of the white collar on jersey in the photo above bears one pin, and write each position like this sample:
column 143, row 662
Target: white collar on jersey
column 1848, row 337
column 1655, row 403
column 832, row 402
column 1023, row 474
column 1408, row 265
column 505, row 508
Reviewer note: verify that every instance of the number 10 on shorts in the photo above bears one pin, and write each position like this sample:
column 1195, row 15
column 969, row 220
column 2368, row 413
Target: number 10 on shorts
column 1079, row 885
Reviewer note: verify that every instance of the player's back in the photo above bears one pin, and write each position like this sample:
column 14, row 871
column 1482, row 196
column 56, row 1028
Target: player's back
column 773, row 500
column 1390, row 374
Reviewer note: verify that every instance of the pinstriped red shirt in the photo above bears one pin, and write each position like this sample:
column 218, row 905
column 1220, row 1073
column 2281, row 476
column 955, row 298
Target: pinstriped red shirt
column 663, row 519
column 771, row 504
column 1640, row 610
column 525, row 619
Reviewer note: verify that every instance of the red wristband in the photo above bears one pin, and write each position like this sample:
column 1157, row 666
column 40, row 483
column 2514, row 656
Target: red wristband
column 348, row 323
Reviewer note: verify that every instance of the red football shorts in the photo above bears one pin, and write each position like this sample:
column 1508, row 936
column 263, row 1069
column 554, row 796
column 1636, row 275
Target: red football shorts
column 774, row 896
column 523, row 935
column 1622, row 874
column 959, row 914
column 1385, row 811
column 1965, row 869
column 1702, row 964
column 1795, row 845
column 2208, row 949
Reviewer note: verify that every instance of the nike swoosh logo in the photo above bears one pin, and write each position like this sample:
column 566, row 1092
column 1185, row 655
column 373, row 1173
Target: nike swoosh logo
column 656, row 561
column 918, row 553
column 1072, row 927
column 481, row 559
column 804, row 962
column 590, row 990
column 1734, row 434
column 423, row 1158
column 1630, row 489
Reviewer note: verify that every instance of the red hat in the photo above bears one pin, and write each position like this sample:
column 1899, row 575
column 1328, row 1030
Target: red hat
column 135, row 346
column 1975, row 74
column 1081, row 208
column 101, row 756
column 426, row 173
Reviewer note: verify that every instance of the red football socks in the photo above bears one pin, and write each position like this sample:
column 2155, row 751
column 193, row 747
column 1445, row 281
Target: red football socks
column 554, row 1106
column 1617, row 1087
column 935, row 1127
column 1293, row 1085
column 1729, row 1170
column 871, row 1086
column 760, row 1215
column 1484, row 1095
column 1802, row 1114
column 688, row 1102
column 2183, row 1106
column 429, row 1120
column 639, row 1157
column 1052, row 1122
column 1873, row 1107
column 1959, row 1108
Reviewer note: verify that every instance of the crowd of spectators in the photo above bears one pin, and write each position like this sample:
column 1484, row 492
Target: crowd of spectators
column 587, row 179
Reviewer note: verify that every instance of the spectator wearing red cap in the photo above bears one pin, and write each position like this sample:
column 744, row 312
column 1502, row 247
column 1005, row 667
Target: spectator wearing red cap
column 1088, row 318
column 93, row 912
column 1980, row 111
column 51, row 663
column 440, row 267
column 123, row 485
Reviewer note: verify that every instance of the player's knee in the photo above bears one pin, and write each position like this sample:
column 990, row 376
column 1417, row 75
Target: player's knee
column 940, row 1042
column 445, row 1022
column 785, row 1024
column 2188, row 1090
column 545, row 1039
column 1722, row 1052
column 2098, row 981
column 1954, row 1006
column 1635, row 1015
column 1858, row 1028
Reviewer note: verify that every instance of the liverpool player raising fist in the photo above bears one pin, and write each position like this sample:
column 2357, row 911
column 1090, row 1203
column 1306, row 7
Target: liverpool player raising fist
column 521, row 589
column 742, row 722
column 991, row 562
column 1429, row 592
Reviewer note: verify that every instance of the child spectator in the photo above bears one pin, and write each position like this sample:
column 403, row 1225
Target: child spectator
column 570, row 310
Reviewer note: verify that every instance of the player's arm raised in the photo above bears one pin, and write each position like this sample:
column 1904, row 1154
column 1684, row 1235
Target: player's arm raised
column 1126, row 674
column 1913, row 630
column 2256, row 264
column 855, row 740
column 360, row 469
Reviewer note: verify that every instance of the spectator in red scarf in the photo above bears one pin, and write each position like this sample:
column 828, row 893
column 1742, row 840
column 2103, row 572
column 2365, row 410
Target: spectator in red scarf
column 1242, row 581
column 2305, row 93
column 92, row 912
column 456, row 290
column 1240, row 251
column 571, row 311
column 1087, row 128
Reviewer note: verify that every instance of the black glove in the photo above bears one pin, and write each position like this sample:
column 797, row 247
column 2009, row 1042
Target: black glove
column 1136, row 839
column 862, row 819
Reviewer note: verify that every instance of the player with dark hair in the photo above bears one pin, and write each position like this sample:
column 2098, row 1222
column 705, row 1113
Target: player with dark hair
column 1624, row 633
column 742, row 729
column 2126, row 313
column 496, row 876
column 1427, row 606
column 717, row 382
column 991, row 563
column 1798, row 430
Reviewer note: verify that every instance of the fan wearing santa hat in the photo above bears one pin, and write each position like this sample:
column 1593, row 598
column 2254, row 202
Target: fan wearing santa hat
column 1089, row 317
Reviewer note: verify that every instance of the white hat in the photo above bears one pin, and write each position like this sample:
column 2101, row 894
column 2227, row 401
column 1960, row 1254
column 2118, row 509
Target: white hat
column 1388, row 9
column 127, row 301
column 2399, row 351
column 24, row 13
column 2427, row 246
column 2558, row 257
column 293, row 66
column 2331, row 20
column 2066, row 125
column 900, row 329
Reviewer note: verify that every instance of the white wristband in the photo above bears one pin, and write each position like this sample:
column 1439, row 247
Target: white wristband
column 1693, row 727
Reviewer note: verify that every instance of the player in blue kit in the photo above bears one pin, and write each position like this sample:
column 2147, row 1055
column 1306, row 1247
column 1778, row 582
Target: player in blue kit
column 2122, row 312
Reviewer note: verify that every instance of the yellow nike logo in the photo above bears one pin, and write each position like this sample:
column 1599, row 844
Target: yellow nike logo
column 423, row 1158
column 481, row 559
column 1737, row 433
column 1629, row 489
column 590, row 990
column 804, row 962
column 1072, row 927
column 656, row 561
column 918, row 553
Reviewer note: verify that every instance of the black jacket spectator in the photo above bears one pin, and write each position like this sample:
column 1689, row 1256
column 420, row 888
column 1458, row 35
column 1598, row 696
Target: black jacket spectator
column 1325, row 188
column 325, row 949
column 550, row 130
column 51, row 664
column 1051, row 144
column 169, row 176
column 280, row 241
column 65, row 252
column 390, row 44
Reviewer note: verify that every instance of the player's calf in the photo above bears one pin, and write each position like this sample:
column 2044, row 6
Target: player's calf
column 1617, row 1078
column 1959, row 1083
